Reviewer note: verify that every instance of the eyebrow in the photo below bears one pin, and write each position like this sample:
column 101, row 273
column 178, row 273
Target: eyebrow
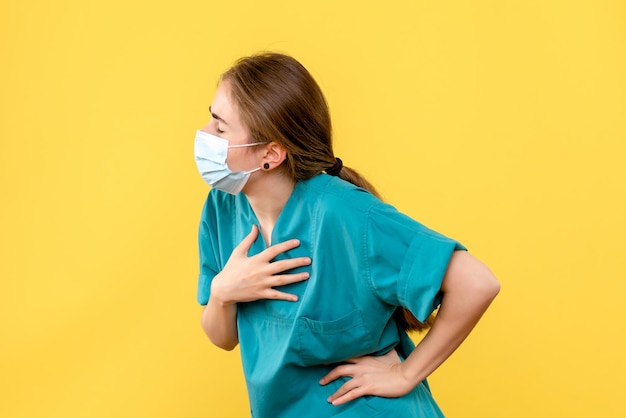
column 217, row 117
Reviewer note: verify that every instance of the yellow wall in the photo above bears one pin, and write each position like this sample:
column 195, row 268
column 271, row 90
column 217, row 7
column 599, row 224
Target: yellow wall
column 501, row 124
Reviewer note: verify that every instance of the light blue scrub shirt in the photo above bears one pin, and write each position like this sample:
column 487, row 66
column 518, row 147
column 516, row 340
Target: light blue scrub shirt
column 367, row 260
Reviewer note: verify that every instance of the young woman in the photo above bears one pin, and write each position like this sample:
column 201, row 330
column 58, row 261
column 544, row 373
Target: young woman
column 304, row 267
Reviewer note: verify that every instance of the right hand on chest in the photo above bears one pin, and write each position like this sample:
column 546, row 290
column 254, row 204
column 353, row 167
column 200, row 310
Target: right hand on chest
column 246, row 279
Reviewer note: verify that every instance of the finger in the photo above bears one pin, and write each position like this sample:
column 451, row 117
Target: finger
column 336, row 373
column 391, row 355
column 246, row 243
column 272, row 252
column 346, row 388
column 288, row 264
column 278, row 295
column 284, row 279
column 351, row 395
column 357, row 360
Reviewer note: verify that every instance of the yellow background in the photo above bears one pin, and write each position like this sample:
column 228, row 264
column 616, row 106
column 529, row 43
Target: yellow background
column 501, row 124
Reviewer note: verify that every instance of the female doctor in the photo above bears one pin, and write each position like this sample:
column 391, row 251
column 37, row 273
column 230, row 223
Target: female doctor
column 304, row 267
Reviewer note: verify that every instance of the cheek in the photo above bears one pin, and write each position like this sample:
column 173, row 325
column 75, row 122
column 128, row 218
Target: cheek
column 234, row 159
column 240, row 159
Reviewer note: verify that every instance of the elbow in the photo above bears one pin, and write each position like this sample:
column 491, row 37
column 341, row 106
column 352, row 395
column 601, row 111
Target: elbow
column 224, row 345
column 222, row 342
column 468, row 276
column 494, row 288
column 488, row 286
column 219, row 339
column 484, row 282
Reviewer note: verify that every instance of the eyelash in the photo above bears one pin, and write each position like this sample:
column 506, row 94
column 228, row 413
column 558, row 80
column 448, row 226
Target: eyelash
column 217, row 126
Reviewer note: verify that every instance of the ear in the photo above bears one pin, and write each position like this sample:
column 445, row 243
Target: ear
column 274, row 155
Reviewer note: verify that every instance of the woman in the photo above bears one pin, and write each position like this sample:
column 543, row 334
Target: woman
column 308, row 271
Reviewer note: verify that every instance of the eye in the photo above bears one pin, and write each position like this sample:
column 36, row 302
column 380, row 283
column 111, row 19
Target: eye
column 216, row 126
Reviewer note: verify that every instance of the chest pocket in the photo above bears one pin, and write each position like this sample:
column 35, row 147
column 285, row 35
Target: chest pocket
column 325, row 342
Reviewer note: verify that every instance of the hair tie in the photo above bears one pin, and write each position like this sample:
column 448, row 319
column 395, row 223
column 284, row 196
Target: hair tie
column 335, row 169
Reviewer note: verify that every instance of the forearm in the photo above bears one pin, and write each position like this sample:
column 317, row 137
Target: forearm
column 219, row 321
column 452, row 326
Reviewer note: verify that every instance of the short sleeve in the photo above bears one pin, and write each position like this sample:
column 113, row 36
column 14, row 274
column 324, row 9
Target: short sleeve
column 207, row 249
column 406, row 260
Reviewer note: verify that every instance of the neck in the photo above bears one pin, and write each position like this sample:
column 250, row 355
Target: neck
column 268, row 193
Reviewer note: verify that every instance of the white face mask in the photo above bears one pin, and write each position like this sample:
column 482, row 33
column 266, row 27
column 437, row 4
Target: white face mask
column 211, row 152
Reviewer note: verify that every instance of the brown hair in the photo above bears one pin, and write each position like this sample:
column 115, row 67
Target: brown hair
column 279, row 101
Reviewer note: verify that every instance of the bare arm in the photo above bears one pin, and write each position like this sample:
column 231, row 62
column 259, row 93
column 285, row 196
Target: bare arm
column 219, row 322
column 245, row 279
column 468, row 289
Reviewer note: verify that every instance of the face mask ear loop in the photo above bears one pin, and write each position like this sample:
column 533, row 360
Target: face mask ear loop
column 247, row 145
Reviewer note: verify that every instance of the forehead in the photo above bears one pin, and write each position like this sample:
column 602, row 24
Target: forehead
column 224, row 106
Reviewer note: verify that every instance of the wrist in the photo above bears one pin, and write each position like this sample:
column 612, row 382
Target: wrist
column 219, row 294
column 411, row 372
